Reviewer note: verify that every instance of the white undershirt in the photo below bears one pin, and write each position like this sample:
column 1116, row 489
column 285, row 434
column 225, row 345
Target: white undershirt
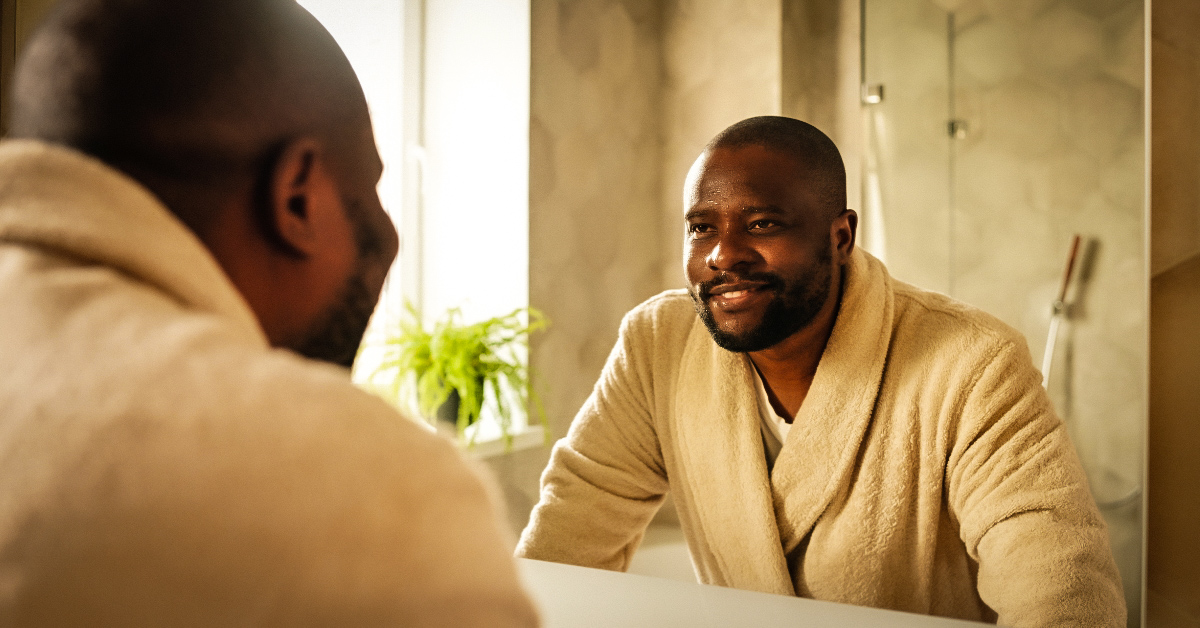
column 774, row 428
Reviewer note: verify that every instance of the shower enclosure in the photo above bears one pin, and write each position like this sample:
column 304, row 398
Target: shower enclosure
column 996, row 131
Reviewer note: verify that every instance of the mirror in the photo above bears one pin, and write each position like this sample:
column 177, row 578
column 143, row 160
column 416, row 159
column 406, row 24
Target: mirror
column 981, row 136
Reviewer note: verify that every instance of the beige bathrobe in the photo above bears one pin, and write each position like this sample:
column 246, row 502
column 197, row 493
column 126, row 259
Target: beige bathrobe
column 926, row 470
column 160, row 465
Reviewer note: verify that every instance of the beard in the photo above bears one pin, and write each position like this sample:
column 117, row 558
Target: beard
column 337, row 334
column 796, row 303
column 335, row 337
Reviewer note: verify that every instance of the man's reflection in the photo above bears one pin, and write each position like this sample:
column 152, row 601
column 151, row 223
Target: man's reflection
column 826, row 430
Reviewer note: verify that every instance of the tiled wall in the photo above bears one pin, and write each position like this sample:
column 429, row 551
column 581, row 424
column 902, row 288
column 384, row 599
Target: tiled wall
column 721, row 64
column 1051, row 96
column 594, row 184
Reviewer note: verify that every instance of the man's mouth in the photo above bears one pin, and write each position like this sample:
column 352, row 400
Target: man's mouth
column 736, row 294
column 735, row 289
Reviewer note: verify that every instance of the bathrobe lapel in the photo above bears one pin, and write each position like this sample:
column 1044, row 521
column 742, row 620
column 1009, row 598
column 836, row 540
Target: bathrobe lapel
column 817, row 460
column 722, row 470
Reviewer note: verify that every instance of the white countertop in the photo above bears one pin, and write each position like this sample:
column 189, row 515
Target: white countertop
column 578, row 597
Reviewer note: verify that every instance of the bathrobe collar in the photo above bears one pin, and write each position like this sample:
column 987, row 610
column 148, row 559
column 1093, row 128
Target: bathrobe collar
column 56, row 198
column 743, row 512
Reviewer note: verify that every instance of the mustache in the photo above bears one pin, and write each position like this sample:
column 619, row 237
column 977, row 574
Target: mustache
column 770, row 281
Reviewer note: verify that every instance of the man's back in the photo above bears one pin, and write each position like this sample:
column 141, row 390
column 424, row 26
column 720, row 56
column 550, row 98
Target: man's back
column 160, row 465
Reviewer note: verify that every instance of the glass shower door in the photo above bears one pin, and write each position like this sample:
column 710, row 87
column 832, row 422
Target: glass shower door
column 996, row 133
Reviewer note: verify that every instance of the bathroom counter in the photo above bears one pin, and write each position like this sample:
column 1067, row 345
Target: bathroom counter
column 579, row 597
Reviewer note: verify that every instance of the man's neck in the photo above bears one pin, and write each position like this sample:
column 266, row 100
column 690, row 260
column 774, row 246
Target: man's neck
column 788, row 367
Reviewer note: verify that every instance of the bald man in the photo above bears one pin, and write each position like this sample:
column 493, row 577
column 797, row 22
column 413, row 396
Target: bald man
column 191, row 245
column 825, row 430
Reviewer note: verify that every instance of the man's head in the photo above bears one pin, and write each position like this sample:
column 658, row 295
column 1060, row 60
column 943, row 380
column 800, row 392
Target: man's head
column 768, row 231
column 247, row 121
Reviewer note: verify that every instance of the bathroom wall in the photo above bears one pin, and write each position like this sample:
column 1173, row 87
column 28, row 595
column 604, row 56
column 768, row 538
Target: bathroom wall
column 594, row 184
column 721, row 63
column 809, row 64
column 1173, row 511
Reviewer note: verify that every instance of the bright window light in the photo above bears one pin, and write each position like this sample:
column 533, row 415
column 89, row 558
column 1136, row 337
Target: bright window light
column 371, row 33
column 455, row 151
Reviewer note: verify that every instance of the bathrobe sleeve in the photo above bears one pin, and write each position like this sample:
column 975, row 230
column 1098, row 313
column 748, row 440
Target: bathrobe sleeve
column 1021, row 500
column 606, row 479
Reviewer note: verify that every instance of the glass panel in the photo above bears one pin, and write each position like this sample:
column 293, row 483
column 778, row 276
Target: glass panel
column 907, row 176
column 1005, row 130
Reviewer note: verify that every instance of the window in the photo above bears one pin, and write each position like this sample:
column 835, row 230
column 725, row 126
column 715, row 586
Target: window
column 447, row 83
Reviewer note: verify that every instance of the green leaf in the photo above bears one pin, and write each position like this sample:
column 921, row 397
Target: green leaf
column 480, row 362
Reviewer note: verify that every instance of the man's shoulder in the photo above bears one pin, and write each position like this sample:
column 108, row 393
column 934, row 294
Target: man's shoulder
column 942, row 321
column 128, row 367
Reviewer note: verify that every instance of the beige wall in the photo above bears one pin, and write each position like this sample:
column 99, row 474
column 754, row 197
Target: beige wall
column 1173, row 512
column 722, row 62
column 809, row 66
column 594, row 184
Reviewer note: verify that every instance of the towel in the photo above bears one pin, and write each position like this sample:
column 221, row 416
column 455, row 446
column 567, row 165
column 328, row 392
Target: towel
column 926, row 470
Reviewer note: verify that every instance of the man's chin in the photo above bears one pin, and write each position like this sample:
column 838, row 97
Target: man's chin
column 336, row 337
column 739, row 343
column 736, row 337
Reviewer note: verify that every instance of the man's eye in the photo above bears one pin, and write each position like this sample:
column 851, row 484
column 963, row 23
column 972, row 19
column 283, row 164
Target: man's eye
column 763, row 224
column 699, row 229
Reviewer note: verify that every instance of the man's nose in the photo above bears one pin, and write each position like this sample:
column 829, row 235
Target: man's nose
column 731, row 251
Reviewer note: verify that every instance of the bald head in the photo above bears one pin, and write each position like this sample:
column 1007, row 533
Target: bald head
column 804, row 143
column 244, row 118
column 186, row 91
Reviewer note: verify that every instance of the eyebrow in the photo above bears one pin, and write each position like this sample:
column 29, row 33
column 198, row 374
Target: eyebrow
column 702, row 212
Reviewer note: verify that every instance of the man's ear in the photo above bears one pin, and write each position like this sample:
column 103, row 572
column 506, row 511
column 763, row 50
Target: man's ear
column 296, row 186
column 843, row 233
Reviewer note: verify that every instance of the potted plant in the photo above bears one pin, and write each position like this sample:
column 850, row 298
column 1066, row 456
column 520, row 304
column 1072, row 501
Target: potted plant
column 452, row 371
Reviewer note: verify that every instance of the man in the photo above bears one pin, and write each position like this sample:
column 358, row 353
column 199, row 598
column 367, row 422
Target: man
column 826, row 431
column 188, row 209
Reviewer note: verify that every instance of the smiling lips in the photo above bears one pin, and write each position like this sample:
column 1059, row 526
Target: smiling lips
column 732, row 296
